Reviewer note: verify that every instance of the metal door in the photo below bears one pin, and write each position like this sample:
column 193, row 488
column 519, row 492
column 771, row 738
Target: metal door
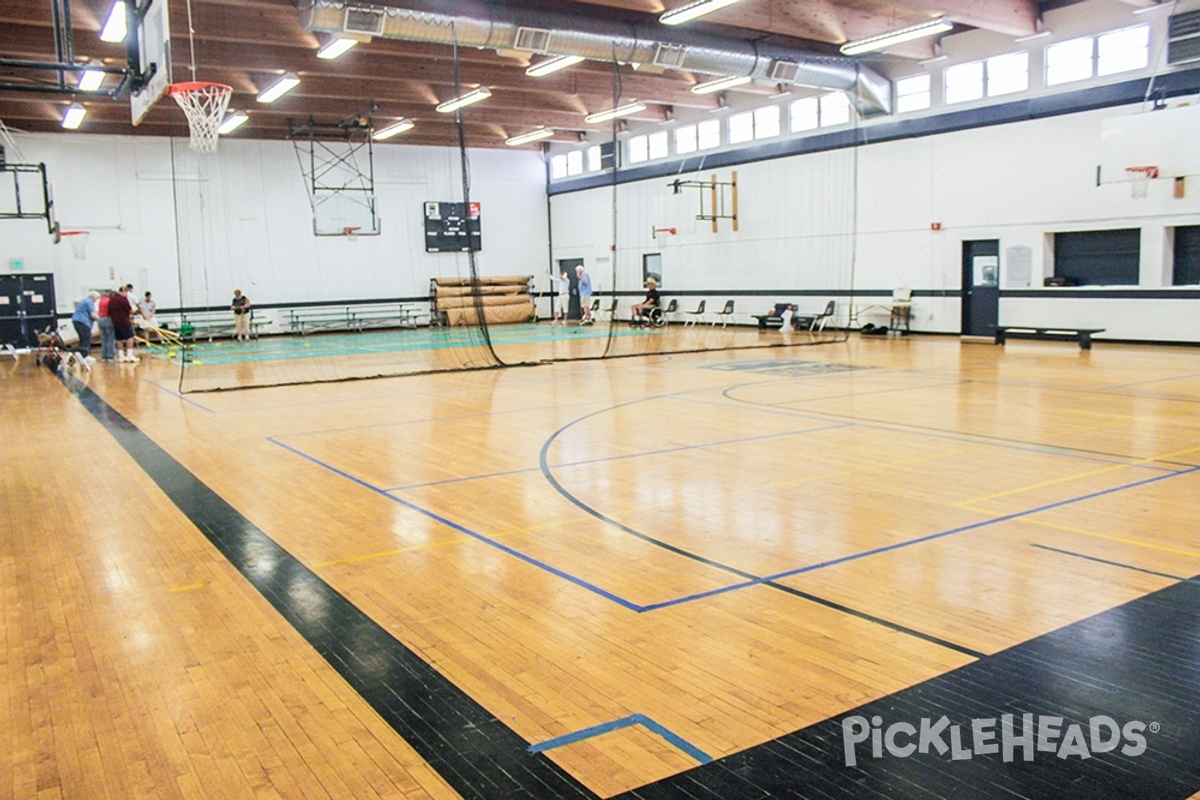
column 568, row 266
column 981, row 287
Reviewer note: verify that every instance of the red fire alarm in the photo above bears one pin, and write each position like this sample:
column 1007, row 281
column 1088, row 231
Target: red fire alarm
column 935, row 226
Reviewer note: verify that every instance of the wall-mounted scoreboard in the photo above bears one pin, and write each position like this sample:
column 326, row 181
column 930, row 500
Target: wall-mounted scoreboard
column 452, row 227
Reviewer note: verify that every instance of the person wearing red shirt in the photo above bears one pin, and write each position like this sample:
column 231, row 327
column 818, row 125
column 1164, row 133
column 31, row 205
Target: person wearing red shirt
column 108, row 342
column 122, row 320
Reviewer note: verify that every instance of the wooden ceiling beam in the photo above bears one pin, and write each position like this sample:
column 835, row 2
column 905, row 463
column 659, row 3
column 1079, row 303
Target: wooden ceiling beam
column 1011, row 17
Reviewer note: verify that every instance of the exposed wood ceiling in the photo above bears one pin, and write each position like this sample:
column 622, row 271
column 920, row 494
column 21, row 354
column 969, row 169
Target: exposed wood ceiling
column 248, row 43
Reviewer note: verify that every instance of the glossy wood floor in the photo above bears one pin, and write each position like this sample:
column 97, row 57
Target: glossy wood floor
column 722, row 547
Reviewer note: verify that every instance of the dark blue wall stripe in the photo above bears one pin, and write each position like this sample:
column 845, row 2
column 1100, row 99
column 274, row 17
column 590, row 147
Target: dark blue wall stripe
column 1171, row 84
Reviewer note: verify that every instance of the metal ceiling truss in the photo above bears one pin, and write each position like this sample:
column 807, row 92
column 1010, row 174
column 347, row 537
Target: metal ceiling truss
column 132, row 76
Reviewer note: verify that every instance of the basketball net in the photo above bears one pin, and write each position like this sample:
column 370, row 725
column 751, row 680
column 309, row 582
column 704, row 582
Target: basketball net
column 205, row 105
column 78, row 240
column 1139, row 180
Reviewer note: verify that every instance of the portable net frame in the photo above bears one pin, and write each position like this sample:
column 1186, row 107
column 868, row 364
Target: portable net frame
column 348, row 307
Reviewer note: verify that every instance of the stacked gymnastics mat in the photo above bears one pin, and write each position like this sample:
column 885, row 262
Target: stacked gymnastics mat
column 504, row 299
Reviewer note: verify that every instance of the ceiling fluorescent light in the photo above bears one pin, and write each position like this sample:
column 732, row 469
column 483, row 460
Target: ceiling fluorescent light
column 90, row 80
column 613, row 113
column 532, row 136
column 233, row 122
column 335, row 47
column 720, row 84
column 693, row 10
column 482, row 93
column 553, row 65
column 393, row 129
column 73, row 117
column 278, row 89
column 114, row 26
column 885, row 40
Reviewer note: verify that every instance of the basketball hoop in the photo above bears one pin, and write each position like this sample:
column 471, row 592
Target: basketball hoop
column 351, row 232
column 656, row 231
column 1139, row 179
column 78, row 240
column 204, row 104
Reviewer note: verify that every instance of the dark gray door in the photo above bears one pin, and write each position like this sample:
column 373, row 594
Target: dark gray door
column 981, row 287
column 571, row 302
column 27, row 307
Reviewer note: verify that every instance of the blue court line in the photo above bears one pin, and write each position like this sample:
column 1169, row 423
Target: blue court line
column 464, row 530
column 751, row 579
column 931, row 537
column 1110, row 563
column 588, row 461
column 184, row 398
column 907, row 430
column 616, row 725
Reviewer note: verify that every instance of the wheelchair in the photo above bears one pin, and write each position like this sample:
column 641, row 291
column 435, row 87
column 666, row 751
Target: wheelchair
column 655, row 319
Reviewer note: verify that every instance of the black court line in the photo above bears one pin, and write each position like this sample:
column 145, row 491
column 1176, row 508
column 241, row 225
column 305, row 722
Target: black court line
column 1086, row 557
column 470, row 748
column 1139, row 662
column 548, row 474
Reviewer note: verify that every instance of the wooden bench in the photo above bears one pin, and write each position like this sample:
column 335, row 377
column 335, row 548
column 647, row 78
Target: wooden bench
column 1081, row 335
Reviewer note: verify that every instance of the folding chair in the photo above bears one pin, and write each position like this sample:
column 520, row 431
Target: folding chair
column 671, row 312
column 901, row 309
column 724, row 315
column 698, row 314
column 819, row 320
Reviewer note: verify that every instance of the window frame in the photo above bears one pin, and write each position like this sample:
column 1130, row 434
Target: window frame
column 901, row 95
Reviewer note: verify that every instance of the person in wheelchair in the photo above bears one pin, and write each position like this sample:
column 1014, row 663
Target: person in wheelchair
column 647, row 312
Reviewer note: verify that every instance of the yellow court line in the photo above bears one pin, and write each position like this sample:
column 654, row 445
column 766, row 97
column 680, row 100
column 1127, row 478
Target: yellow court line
column 386, row 553
column 1076, row 476
column 1031, row 486
column 187, row 588
column 1122, row 539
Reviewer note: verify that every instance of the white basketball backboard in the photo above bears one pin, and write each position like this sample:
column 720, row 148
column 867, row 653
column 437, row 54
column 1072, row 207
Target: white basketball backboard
column 1163, row 138
column 153, row 32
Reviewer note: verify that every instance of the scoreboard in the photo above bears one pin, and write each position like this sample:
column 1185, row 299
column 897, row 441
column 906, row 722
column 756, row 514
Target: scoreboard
column 452, row 227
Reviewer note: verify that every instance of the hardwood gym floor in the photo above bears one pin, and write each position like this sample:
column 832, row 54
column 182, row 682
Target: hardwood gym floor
column 670, row 576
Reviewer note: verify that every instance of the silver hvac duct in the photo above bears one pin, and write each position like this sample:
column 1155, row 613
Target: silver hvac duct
column 501, row 28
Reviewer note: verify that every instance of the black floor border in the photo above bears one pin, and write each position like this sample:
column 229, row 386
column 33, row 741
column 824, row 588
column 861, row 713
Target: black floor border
column 472, row 750
column 1138, row 661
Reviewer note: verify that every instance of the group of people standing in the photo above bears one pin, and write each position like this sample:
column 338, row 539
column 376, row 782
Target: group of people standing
column 582, row 287
column 114, row 312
